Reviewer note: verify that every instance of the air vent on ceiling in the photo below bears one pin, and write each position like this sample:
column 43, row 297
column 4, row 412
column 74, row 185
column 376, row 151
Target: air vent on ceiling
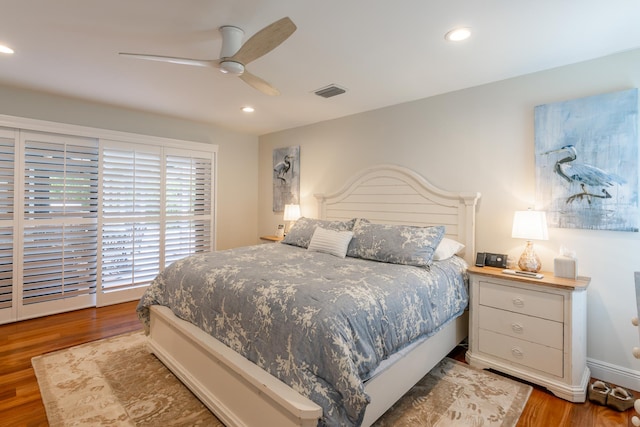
column 329, row 91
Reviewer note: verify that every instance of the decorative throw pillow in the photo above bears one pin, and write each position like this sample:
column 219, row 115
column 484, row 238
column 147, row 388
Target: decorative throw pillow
column 396, row 244
column 302, row 231
column 330, row 241
column 446, row 249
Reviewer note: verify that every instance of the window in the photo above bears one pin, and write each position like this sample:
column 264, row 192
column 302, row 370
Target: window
column 131, row 206
column 188, row 205
column 60, row 218
column 91, row 220
column 156, row 209
column 7, row 162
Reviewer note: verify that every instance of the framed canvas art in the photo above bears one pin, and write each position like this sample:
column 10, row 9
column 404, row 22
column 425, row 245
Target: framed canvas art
column 587, row 162
column 286, row 177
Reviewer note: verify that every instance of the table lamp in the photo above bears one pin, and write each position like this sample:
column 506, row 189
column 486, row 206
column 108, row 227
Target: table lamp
column 530, row 225
column 291, row 214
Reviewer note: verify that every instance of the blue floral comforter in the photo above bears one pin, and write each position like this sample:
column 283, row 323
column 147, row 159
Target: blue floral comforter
column 317, row 322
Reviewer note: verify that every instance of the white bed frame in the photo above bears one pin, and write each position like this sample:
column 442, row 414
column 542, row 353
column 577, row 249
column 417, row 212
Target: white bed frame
column 242, row 394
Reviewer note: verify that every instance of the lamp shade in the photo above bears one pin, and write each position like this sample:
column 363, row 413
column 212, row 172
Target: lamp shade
column 291, row 212
column 530, row 225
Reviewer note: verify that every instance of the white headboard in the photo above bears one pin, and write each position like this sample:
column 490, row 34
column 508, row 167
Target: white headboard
column 397, row 195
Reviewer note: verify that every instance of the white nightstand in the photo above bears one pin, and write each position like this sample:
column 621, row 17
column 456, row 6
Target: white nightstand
column 533, row 329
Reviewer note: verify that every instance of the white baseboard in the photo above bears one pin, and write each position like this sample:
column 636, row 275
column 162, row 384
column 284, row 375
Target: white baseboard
column 614, row 374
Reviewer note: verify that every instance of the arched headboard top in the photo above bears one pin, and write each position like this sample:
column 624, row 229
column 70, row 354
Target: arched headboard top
column 396, row 195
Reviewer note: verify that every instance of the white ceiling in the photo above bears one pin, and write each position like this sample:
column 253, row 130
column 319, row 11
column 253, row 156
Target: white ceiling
column 383, row 52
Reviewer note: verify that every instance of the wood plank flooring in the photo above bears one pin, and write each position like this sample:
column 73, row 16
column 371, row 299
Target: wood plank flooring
column 21, row 404
column 20, row 401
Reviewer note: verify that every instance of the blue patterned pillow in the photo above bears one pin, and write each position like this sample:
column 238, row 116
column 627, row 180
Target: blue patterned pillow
column 302, row 231
column 395, row 244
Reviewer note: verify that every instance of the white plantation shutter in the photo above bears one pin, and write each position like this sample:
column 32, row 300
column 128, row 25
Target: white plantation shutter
column 156, row 208
column 59, row 262
column 7, row 163
column 6, row 267
column 88, row 221
column 189, row 195
column 7, row 171
column 131, row 206
column 60, row 217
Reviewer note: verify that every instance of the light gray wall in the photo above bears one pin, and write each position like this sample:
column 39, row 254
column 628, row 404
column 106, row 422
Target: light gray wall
column 482, row 139
column 237, row 175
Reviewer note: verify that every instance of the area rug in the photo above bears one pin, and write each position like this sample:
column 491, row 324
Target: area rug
column 454, row 394
column 117, row 381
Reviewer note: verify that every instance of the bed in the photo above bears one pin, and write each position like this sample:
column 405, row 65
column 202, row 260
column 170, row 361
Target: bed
column 241, row 393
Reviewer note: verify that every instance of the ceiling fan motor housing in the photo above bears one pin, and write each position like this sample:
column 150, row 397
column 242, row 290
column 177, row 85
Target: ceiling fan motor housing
column 231, row 67
column 231, row 40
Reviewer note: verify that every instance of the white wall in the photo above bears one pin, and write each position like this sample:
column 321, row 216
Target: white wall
column 237, row 153
column 482, row 139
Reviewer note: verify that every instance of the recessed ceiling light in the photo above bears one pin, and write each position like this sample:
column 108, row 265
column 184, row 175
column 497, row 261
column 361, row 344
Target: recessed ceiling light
column 6, row 49
column 458, row 34
column 248, row 109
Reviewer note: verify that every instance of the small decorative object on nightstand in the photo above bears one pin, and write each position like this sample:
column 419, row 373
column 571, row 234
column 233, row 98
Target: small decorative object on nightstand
column 565, row 265
column 533, row 329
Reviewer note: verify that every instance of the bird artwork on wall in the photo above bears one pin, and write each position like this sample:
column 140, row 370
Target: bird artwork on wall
column 283, row 168
column 584, row 174
column 286, row 177
column 587, row 162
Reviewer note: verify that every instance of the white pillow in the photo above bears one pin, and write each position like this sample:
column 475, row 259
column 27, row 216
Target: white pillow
column 446, row 249
column 330, row 241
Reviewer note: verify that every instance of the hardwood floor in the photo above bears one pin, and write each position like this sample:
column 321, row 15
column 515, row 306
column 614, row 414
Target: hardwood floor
column 20, row 401
column 21, row 404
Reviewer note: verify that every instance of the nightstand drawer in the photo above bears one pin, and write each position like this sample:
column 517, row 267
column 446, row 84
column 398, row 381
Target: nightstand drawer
column 542, row 331
column 525, row 353
column 534, row 303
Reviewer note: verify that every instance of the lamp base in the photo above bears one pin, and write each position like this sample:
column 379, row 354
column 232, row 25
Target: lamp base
column 529, row 260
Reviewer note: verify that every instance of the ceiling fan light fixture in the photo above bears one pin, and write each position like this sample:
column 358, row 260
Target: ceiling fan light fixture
column 231, row 67
column 458, row 34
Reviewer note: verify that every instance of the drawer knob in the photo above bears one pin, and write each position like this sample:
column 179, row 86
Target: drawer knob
column 517, row 353
column 517, row 328
column 518, row 302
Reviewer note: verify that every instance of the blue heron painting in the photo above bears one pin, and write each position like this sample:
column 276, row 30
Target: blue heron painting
column 286, row 177
column 587, row 161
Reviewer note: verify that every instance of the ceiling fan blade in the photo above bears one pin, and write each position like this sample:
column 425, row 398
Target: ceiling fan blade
column 174, row 60
column 259, row 84
column 264, row 41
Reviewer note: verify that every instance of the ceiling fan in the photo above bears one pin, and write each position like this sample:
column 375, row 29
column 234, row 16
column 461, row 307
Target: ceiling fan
column 234, row 56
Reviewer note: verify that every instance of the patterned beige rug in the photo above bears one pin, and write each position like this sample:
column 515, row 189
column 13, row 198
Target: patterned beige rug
column 117, row 382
